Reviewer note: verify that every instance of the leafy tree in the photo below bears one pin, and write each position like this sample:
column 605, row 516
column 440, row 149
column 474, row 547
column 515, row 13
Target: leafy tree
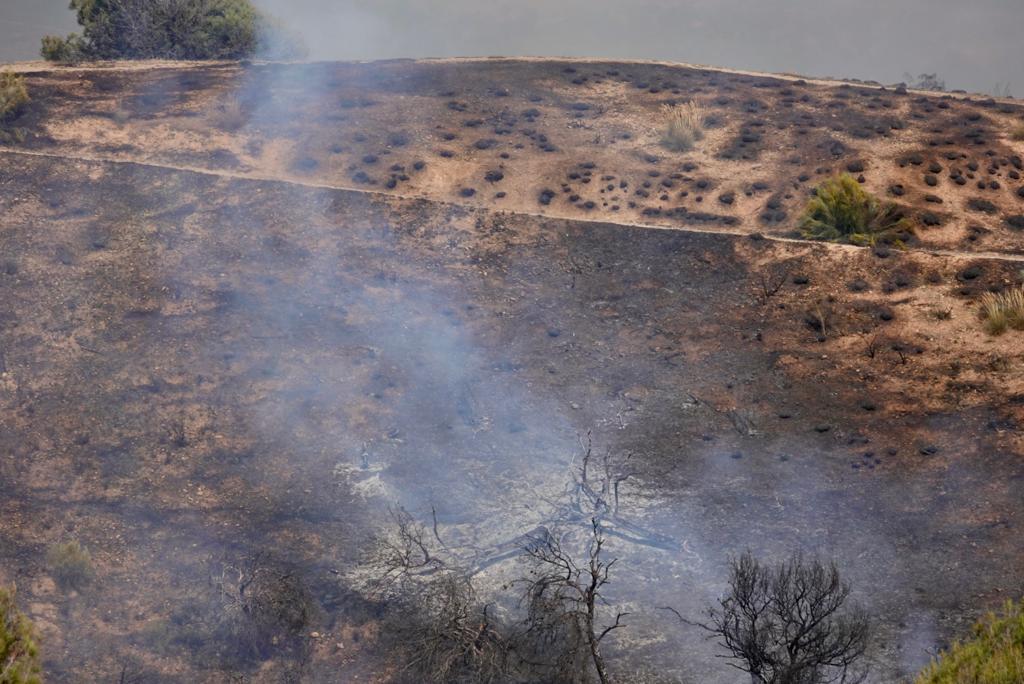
column 159, row 29
column 19, row 655
column 842, row 211
column 994, row 653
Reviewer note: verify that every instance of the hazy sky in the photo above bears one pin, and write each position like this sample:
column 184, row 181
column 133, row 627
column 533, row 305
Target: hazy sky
column 971, row 43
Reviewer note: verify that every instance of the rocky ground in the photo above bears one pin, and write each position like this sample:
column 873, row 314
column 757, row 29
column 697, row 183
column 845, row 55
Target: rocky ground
column 245, row 308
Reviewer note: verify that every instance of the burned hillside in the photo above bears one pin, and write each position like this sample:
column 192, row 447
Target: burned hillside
column 248, row 309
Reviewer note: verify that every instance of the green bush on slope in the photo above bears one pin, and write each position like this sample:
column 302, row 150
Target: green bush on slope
column 843, row 211
column 994, row 654
column 19, row 655
column 13, row 94
column 70, row 565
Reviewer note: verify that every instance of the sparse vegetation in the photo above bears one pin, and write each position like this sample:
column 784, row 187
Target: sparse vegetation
column 19, row 655
column 231, row 115
column 1017, row 133
column 165, row 29
column 1002, row 89
column 786, row 624
column 13, row 94
column 70, row 565
column 265, row 607
column 843, row 211
column 534, row 326
column 685, row 126
column 994, row 654
column 447, row 635
column 928, row 82
column 1002, row 311
column 450, row 636
column 443, row 632
column 564, row 598
column 770, row 282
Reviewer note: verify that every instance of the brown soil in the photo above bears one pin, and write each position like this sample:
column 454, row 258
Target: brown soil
column 222, row 334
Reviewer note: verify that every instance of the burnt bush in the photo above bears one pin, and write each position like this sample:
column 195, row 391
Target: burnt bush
column 447, row 635
column 263, row 608
column 435, row 621
column 565, row 593
column 558, row 634
column 788, row 624
column 982, row 205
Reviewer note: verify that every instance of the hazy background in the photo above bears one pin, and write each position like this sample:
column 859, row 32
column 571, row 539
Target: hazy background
column 972, row 44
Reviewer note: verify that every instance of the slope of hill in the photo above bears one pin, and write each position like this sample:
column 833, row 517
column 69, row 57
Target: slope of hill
column 246, row 307
column 502, row 133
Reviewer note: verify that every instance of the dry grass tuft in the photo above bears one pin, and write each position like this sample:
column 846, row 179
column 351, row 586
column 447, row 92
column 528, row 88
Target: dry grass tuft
column 70, row 565
column 685, row 126
column 1017, row 133
column 230, row 116
column 1003, row 311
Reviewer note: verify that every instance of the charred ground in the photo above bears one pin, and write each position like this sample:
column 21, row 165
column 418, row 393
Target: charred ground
column 231, row 360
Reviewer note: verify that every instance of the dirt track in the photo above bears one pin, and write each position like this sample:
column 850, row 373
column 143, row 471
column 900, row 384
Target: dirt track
column 988, row 256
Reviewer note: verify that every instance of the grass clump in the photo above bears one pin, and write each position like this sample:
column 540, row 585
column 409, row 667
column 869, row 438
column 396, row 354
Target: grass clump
column 685, row 126
column 13, row 94
column 70, row 565
column 1003, row 311
column 843, row 211
column 1018, row 133
column 19, row 655
column 994, row 654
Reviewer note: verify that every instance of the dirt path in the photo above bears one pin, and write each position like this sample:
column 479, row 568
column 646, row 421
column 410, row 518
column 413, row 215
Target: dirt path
column 95, row 159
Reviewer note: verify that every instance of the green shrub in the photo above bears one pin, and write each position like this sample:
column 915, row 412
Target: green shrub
column 842, row 211
column 1003, row 311
column 70, row 50
column 994, row 654
column 70, row 564
column 685, row 127
column 19, row 655
column 13, row 94
column 160, row 29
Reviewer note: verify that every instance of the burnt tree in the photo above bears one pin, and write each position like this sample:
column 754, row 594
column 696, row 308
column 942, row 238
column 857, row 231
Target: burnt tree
column 789, row 624
column 563, row 596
